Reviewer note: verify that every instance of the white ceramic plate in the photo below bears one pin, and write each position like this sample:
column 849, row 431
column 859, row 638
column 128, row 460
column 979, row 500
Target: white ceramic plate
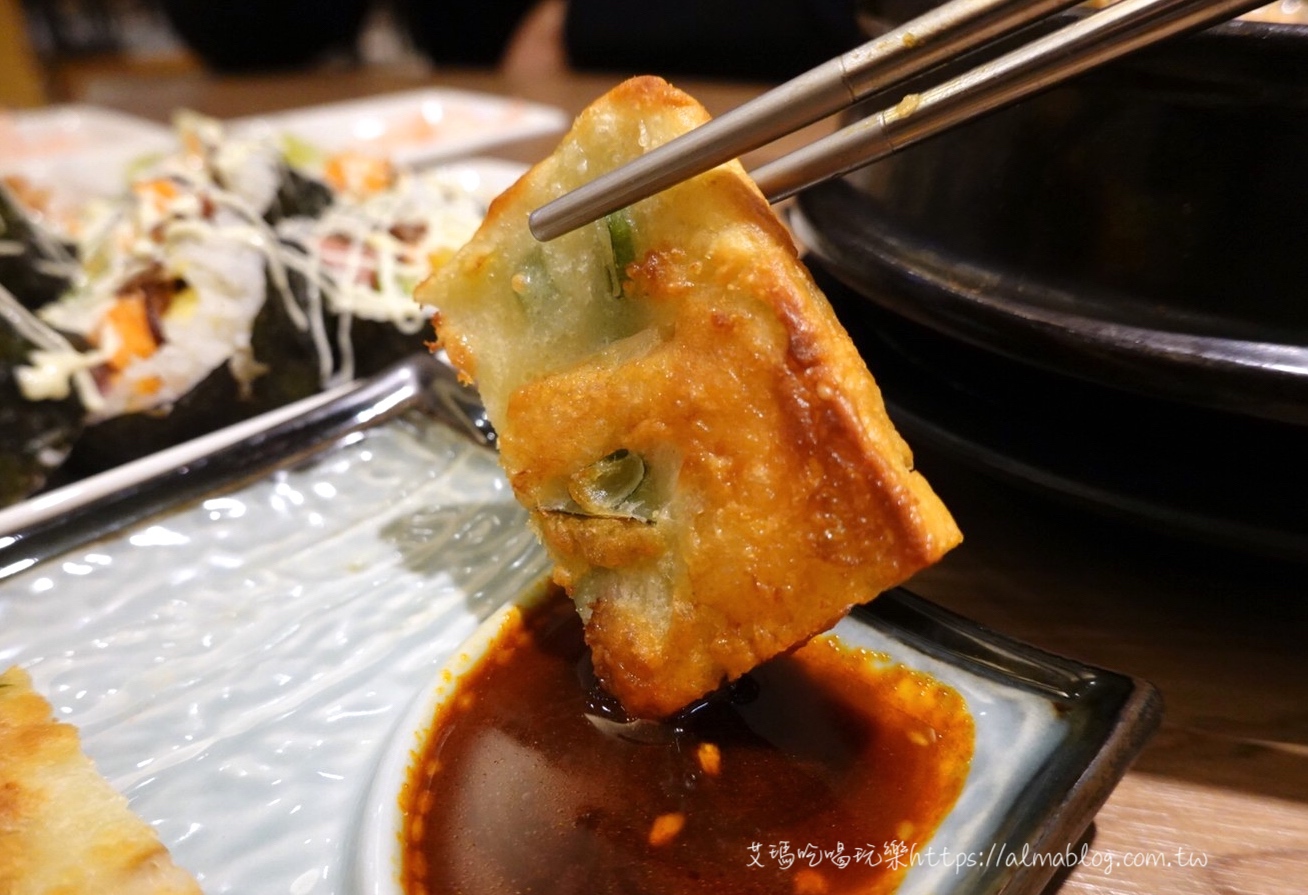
column 252, row 668
column 414, row 127
column 30, row 135
column 237, row 665
column 75, row 153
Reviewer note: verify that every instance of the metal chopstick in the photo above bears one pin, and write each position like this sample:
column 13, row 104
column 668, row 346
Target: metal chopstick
column 938, row 35
column 1112, row 32
column 942, row 33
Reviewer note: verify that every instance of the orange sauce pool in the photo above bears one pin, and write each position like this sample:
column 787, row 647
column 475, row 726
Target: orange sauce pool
column 816, row 773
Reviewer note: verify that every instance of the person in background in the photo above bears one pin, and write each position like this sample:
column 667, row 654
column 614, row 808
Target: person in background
column 264, row 35
column 766, row 40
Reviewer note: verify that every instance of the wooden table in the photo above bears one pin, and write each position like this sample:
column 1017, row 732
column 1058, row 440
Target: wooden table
column 1218, row 802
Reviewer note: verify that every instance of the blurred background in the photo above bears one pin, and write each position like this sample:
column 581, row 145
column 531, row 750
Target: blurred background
column 55, row 50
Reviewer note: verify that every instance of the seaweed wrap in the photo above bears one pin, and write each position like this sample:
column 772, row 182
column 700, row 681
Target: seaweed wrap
column 35, row 265
column 40, row 415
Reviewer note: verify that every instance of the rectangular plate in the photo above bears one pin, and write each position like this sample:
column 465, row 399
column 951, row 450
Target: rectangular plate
column 237, row 658
column 30, row 135
column 415, row 127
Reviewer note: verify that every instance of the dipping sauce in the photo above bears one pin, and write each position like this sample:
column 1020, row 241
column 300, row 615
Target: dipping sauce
column 818, row 772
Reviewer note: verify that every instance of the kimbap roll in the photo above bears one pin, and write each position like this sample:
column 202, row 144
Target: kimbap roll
column 225, row 281
column 166, row 311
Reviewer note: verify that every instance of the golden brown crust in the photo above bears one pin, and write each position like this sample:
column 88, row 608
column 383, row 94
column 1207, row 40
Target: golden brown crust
column 63, row 829
column 776, row 492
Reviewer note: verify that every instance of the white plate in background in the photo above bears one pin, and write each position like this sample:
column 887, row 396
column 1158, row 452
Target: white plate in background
column 415, row 127
column 78, row 152
column 30, row 135
column 75, row 153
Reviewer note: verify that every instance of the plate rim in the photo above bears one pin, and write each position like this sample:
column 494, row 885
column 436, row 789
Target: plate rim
column 984, row 307
column 542, row 119
column 1123, row 711
column 137, row 130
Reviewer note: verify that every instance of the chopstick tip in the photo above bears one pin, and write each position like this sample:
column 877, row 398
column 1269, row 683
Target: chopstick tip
column 541, row 226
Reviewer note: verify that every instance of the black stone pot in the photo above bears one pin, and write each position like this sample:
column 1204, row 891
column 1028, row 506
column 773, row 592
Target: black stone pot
column 1139, row 227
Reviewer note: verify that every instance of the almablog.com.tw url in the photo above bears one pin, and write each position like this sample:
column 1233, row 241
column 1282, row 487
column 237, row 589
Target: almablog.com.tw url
column 896, row 855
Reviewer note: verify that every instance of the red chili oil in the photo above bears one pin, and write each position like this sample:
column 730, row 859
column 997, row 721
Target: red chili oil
column 817, row 772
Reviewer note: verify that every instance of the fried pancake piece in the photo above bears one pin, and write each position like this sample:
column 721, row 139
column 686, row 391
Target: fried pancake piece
column 700, row 446
column 63, row 828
